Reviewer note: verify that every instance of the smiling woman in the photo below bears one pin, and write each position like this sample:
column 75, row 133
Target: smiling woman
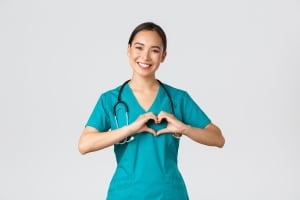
column 146, row 52
column 140, row 119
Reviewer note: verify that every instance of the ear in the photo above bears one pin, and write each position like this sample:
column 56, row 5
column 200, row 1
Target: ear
column 128, row 50
column 163, row 57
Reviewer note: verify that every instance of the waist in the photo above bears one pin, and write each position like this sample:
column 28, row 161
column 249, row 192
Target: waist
column 134, row 187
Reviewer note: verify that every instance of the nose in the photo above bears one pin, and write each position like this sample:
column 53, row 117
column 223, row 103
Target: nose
column 145, row 54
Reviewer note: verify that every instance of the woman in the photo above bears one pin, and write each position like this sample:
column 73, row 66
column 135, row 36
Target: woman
column 144, row 119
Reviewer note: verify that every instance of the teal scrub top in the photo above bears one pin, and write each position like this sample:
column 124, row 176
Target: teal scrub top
column 147, row 165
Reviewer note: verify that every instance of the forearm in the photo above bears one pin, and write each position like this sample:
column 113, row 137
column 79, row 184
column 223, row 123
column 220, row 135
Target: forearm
column 93, row 140
column 211, row 135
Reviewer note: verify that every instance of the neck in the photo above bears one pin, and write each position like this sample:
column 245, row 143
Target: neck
column 143, row 83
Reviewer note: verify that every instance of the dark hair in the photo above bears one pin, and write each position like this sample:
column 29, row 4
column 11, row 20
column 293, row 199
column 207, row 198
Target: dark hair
column 150, row 26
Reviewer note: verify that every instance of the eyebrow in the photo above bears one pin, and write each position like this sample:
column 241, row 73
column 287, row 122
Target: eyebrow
column 155, row 46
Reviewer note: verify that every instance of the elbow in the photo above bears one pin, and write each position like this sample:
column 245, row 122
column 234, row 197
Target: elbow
column 221, row 139
column 221, row 142
column 82, row 148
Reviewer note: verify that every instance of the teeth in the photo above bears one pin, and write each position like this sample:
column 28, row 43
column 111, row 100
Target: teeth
column 144, row 65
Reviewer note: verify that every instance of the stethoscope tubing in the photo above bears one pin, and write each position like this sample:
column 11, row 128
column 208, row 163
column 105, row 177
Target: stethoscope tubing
column 120, row 101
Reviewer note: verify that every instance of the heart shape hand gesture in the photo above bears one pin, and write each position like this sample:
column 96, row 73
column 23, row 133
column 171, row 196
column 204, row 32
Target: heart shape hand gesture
column 174, row 125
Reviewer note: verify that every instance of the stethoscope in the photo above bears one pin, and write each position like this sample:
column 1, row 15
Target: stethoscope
column 121, row 102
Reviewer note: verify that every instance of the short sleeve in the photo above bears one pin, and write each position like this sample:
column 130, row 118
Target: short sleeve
column 192, row 113
column 99, row 118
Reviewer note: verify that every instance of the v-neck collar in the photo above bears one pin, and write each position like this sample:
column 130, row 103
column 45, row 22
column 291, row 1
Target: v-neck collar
column 138, row 103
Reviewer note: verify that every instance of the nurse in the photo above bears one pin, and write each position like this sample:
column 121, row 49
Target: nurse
column 144, row 120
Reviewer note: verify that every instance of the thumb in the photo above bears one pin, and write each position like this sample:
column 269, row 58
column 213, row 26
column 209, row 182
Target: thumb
column 162, row 131
column 150, row 130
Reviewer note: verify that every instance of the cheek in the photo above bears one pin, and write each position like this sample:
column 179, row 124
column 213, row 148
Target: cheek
column 133, row 54
column 158, row 58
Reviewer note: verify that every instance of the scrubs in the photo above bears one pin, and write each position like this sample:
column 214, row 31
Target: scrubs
column 147, row 165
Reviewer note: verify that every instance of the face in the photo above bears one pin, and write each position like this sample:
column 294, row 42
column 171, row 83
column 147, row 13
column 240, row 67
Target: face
column 146, row 53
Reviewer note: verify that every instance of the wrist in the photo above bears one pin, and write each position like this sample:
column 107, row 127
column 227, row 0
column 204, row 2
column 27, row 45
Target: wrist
column 186, row 129
column 129, row 129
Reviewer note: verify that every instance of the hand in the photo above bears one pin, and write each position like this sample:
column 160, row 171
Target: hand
column 140, row 124
column 174, row 125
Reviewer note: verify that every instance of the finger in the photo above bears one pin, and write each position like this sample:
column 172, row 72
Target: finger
column 150, row 116
column 144, row 118
column 162, row 131
column 163, row 115
column 150, row 130
column 163, row 118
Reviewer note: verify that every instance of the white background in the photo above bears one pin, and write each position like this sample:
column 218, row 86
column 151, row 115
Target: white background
column 238, row 59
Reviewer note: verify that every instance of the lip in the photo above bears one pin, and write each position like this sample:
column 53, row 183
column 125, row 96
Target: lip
column 144, row 65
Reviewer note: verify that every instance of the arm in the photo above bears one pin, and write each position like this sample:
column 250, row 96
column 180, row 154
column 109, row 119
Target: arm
column 211, row 135
column 93, row 140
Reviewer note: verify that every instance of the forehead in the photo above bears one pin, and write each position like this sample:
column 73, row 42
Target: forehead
column 148, row 37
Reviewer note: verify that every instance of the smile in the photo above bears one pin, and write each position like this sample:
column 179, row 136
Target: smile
column 144, row 65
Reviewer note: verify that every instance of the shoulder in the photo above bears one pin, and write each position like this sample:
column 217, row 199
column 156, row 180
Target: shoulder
column 175, row 91
column 110, row 94
column 112, row 91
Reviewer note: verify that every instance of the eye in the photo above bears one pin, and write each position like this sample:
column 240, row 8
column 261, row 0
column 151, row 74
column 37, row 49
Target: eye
column 156, row 51
column 138, row 47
